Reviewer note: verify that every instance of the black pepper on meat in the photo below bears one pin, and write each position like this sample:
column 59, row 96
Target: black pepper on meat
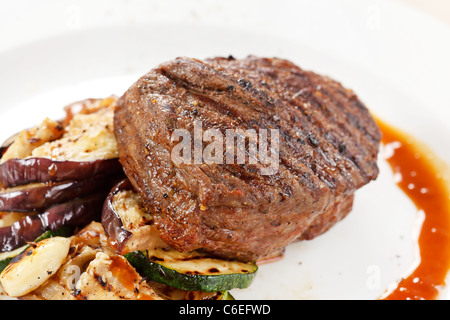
column 327, row 150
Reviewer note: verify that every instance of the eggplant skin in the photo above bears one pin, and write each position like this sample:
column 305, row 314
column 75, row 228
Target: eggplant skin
column 3, row 150
column 5, row 145
column 75, row 213
column 111, row 222
column 37, row 196
column 16, row 172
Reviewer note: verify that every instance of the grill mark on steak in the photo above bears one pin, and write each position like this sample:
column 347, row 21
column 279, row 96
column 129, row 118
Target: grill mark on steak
column 266, row 122
column 340, row 129
column 243, row 119
column 312, row 126
column 333, row 102
column 328, row 148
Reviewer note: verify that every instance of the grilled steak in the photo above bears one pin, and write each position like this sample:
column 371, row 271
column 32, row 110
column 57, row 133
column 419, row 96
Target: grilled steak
column 328, row 145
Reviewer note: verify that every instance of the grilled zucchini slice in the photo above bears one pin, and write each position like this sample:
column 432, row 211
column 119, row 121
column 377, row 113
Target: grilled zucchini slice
column 192, row 270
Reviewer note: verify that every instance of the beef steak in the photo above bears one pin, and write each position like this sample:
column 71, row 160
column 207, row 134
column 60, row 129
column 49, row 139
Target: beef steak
column 328, row 145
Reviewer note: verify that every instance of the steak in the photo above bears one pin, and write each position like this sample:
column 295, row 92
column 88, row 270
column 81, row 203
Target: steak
column 328, row 145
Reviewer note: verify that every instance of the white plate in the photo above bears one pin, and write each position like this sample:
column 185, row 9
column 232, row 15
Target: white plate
column 394, row 58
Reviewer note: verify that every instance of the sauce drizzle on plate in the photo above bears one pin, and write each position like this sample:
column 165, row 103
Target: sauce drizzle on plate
column 425, row 181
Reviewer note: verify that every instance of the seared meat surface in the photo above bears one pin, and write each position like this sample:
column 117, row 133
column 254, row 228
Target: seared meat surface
column 328, row 145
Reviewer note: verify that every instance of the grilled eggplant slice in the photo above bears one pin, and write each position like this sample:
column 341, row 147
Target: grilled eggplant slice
column 111, row 221
column 6, row 144
column 22, row 144
column 127, row 224
column 87, row 106
column 16, row 172
column 37, row 196
column 78, row 212
column 52, row 152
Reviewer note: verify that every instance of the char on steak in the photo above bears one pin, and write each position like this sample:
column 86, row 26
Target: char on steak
column 328, row 145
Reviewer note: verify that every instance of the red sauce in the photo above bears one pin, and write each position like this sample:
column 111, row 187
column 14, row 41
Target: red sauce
column 425, row 182
column 123, row 271
column 127, row 276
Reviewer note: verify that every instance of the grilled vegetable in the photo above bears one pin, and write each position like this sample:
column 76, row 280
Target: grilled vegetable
column 86, row 106
column 36, row 196
column 126, row 222
column 6, row 257
column 22, row 144
column 78, row 212
column 111, row 277
column 80, row 147
column 192, row 270
column 128, row 226
column 6, row 144
column 16, row 172
column 34, row 266
column 111, row 220
column 171, row 293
